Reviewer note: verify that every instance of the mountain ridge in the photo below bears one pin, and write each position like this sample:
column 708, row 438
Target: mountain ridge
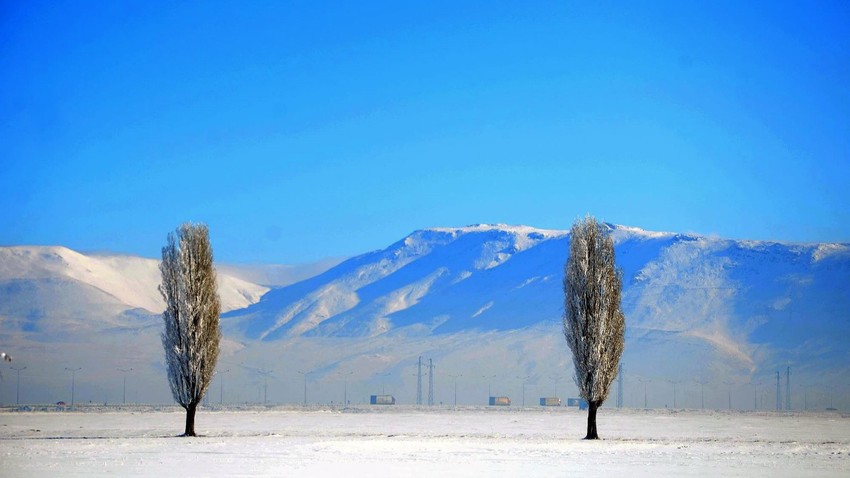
column 485, row 299
column 131, row 280
column 358, row 279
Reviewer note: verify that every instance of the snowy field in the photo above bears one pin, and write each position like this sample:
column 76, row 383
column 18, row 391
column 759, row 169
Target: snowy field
column 407, row 441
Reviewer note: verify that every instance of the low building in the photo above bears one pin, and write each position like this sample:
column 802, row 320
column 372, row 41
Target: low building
column 550, row 402
column 500, row 401
column 382, row 400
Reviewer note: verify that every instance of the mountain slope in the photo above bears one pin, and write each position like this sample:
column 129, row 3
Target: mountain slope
column 484, row 276
column 358, row 296
column 129, row 280
column 731, row 300
column 482, row 301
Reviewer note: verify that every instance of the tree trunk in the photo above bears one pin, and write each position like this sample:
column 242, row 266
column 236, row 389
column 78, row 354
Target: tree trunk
column 190, row 420
column 591, row 421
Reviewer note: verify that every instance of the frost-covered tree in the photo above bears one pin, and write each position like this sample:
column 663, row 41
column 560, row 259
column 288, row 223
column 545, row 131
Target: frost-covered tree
column 594, row 325
column 192, row 333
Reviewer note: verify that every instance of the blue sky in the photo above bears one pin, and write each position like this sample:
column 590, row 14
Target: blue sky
column 303, row 130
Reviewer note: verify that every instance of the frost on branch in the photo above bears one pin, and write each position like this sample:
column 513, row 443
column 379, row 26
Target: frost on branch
column 594, row 325
column 192, row 333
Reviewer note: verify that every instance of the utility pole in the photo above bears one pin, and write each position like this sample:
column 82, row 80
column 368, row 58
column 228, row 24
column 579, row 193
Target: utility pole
column 788, row 388
column 730, row 393
column 674, row 382
column 221, row 386
column 702, row 392
column 265, row 374
column 455, row 377
column 524, row 380
column 73, row 373
column 430, row 382
column 419, row 382
column 125, row 371
column 305, row 384
column 755, row 395
column 18, row 386
column 644, row 381
column 778, row 397
column 345, row 376
column 555, row 379
column 620, row 386
column 383, row 376
column 805, row 396
column 489, row 389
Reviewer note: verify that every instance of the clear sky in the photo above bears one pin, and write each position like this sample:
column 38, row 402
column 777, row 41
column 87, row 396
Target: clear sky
column 303, row 130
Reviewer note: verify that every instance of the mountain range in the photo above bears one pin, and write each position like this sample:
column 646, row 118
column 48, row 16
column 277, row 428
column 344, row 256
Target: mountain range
column 483, row 302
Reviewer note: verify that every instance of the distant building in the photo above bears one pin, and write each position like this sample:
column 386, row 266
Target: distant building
column 382, row 400
column 500, row 401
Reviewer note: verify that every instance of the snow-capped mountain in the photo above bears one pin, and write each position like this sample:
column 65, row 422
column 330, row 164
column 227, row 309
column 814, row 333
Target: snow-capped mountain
column 501, row 277
column 483, row 300
column 698, row 305
column 442, row 279
column 126, row 280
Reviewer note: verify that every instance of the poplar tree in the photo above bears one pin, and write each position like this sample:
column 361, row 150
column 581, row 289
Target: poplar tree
column 594, row 324
column 192, row 332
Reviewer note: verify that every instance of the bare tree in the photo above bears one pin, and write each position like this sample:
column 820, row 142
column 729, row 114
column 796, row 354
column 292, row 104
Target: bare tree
column 192, row 332
column 594, row 325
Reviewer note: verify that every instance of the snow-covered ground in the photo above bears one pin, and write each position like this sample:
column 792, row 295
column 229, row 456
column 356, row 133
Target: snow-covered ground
column 406, row 441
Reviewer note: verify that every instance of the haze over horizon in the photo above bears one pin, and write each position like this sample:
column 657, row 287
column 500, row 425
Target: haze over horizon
column 481, row 301
column 299, row 131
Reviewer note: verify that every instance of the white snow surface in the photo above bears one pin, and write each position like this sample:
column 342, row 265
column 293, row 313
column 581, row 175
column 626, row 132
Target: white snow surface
column 621, row 233
column 407, row 441
column 829, row 250
column 518, row 230
column 131, row 280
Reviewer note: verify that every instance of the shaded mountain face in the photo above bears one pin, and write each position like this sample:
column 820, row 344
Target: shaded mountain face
column 439, row 280
column 484, row 300
column 738, row 305
column 500, row 278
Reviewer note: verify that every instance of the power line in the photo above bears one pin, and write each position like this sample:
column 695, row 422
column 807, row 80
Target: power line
column 125, row 370
column 18, row 386
column 644, row 381
column 345, row 376
column 730, row 383
column 788, row 388
column 430, row 382
column 702, row 384
column 221, row 386
column 455, row 377
column 620, row 386
column 73, row 373
column 419, row 382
